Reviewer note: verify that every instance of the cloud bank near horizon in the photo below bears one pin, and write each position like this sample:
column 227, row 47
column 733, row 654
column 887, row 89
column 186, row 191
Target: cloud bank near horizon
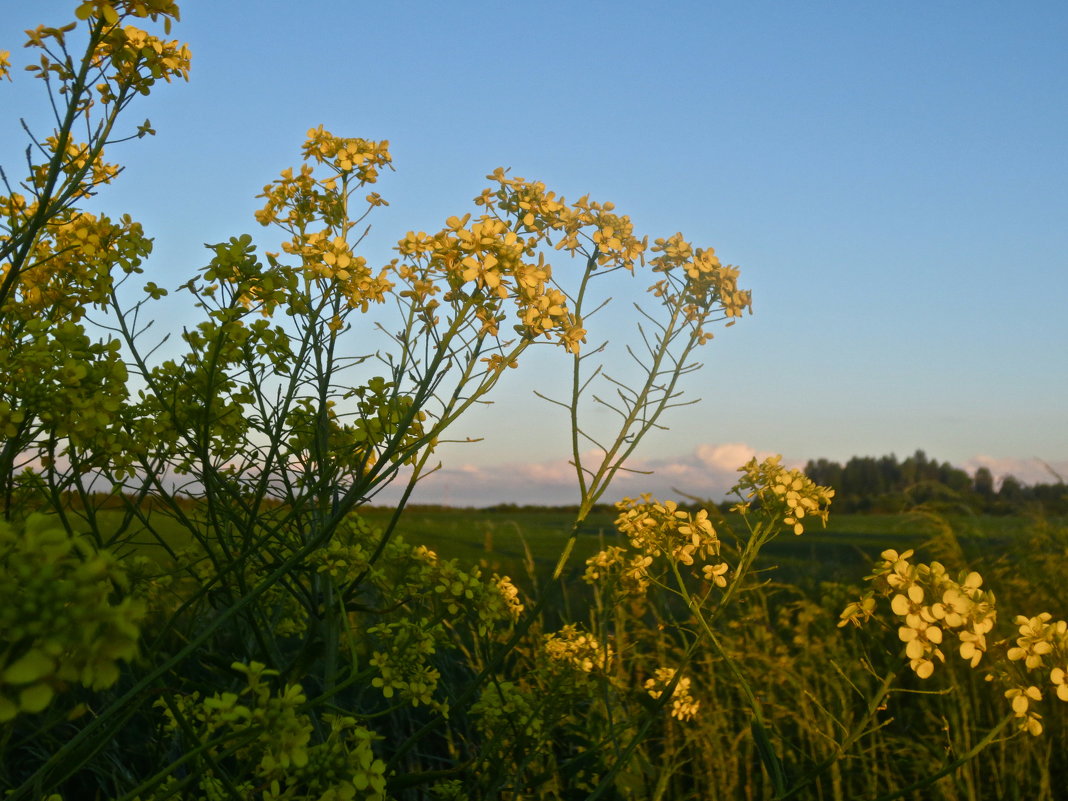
column 707, row 472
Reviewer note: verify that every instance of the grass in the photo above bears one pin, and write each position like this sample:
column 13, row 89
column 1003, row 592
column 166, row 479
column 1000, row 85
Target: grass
column 842, row 552
column 810, row 673
column 503, row 537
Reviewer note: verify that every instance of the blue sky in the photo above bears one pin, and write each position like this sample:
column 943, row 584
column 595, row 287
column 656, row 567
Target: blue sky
column 891, row 179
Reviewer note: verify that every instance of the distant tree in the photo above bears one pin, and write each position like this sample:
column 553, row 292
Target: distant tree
column 984, row 483
column 862, row 478
column 824, row 472
column 1012, row 491
column 890, row 473
column 956, row 479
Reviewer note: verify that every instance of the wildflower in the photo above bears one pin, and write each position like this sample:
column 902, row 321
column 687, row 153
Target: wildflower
column 789, row 494
column 98, row 8
column 683, row 704
column 717, row 574
column 1059, row 678
column 510, row 595
column 972, row 647
column 858, row 611
column 603, row 563
column 654, row 528
column 931, row 604
column 921, row 646
column 1036, row 638
column 579, row 649
column 955, row 606
column 1021, row 698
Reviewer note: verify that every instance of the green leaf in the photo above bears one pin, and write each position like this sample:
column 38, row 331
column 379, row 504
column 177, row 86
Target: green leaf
column 36, row 698
column 33, row 665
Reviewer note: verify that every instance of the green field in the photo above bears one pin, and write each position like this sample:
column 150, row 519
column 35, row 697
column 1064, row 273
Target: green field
column 849, row 539
column 815, row 680
column 516, row 541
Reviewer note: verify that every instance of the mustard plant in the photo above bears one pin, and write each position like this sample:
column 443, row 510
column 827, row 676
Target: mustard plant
column 201, row 605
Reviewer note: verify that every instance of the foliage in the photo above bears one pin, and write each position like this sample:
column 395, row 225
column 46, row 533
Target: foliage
column 868, row 484
column 245, row 631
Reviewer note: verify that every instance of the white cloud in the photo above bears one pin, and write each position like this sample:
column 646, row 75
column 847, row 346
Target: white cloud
column 728, row 456
column 1029, row 471
column 707, row 472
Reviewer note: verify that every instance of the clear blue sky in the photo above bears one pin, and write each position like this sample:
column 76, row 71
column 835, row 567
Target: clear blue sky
column 892, row 178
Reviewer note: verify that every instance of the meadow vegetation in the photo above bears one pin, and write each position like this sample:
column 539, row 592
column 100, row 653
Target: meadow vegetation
column 201, row 600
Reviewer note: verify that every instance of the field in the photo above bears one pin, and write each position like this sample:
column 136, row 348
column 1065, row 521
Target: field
column 813, row 676
column 522, row 539
column 843, row 551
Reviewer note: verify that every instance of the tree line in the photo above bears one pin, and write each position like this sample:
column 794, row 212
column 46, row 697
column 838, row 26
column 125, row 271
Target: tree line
column 885, row 484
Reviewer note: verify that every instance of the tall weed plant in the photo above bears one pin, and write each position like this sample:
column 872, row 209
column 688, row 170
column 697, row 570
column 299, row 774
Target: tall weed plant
column 242, row 632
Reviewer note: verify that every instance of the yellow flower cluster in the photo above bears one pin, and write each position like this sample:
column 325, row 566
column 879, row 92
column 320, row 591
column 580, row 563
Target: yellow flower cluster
column 314, row 212
column 576, row 227
column 5, row 64
column 75, row 162
column 109, row 10
column 1038, row 638
column 704, row 283
column 509, row 594
column 362, row 157
column 790, row 494
column 612, row 566
column 69, row 266
column 1020, row 698
column 331, row 260
column 578, row 649
column 59, row 624
column 1041, row 641
column 126, row 58
column 931, row 603
column 661, row 527
column 491, row 603
column 137, row 59
column 486, row 261
column 475, row 264
column 683, row 705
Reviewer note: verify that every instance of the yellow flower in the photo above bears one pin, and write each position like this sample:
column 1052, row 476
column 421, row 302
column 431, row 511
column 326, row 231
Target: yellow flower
column 1059, row 678
column 578, row 649
column 717, row 574
column 858, row 611
column 5, row 64
column 683, row 705
column 1021, row 698
column 789, row 494
column 1036, row 638
column 972, row 646
column 98, row 8
column 654, row 528
column 510, row 594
